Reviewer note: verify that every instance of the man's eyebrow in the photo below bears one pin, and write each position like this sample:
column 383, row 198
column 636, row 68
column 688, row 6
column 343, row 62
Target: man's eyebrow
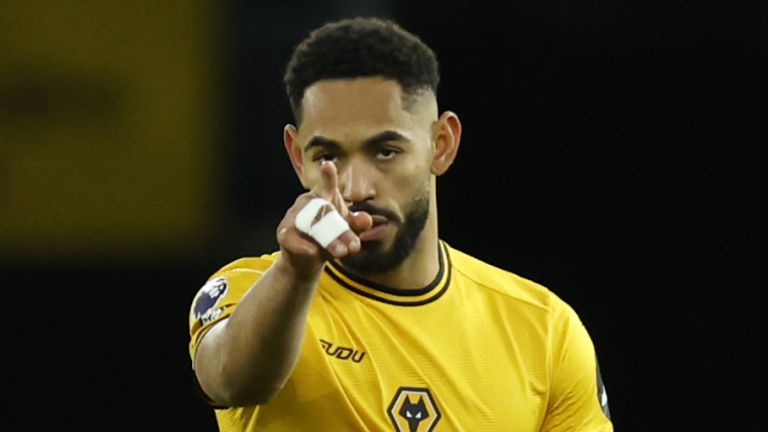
column 379, row 138
column 319, row 141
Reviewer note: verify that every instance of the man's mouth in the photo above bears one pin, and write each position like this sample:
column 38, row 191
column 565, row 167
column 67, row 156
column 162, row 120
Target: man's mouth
column 382, row 219
column 377, row 230
column 378, row 220
column 379, row 215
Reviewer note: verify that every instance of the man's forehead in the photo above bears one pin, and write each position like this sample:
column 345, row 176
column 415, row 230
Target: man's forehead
column 371, row 103
column 368, row 94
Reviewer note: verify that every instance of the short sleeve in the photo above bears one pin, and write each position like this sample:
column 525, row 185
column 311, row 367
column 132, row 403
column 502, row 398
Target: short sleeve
column 219, row 296
column 577, row 400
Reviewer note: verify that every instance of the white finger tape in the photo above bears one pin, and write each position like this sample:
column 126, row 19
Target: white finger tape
column 307, row 214
column 327, row 229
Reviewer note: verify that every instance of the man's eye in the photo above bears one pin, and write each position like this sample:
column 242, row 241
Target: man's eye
column 386, row 154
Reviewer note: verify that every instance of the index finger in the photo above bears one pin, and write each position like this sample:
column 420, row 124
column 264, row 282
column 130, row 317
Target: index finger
column 328, row 187
column 329, row 181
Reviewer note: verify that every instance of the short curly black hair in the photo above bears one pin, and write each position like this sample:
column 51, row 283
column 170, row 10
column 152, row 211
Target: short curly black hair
column 361, row 47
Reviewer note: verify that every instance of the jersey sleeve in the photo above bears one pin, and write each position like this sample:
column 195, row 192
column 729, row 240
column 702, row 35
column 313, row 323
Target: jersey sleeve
column 577, row 400
column 219, row 296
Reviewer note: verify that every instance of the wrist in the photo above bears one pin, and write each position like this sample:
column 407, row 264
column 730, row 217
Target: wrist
column 304, row 276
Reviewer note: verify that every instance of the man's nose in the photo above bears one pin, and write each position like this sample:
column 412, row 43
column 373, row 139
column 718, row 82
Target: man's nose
column 355, row 182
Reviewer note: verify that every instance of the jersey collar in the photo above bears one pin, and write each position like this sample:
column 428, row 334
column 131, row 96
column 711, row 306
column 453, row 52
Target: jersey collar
column 396, row 296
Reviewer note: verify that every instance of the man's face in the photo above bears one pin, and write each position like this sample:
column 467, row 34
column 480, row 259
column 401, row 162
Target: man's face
column 383, row 154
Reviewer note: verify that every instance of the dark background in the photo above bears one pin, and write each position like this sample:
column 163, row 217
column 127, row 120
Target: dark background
column 613, row 152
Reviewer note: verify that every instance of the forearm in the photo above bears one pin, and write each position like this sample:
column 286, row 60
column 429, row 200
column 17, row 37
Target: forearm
column 249, row 357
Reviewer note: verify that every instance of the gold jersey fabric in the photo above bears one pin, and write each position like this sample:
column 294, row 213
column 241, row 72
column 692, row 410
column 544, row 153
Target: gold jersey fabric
column 479, row 349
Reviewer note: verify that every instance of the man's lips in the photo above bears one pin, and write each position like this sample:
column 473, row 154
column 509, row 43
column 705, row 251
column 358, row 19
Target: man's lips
column 382, row 219
column 378, row 214
column 378, row 220
column 375, row 233
column 377, row 230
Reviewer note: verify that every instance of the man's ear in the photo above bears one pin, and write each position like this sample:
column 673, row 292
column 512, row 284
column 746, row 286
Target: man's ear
column 447, row 138
column 294, row 151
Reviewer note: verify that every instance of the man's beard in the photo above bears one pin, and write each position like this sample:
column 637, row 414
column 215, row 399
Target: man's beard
column 373, row 258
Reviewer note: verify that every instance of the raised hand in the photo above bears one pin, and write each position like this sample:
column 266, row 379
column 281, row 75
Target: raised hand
column 313, row 231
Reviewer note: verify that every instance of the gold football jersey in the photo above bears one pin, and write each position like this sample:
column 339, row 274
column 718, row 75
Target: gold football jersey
column 478, row 349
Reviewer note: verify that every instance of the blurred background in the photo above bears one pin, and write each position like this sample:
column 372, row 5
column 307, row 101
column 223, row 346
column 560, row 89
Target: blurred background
column 614, row 152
